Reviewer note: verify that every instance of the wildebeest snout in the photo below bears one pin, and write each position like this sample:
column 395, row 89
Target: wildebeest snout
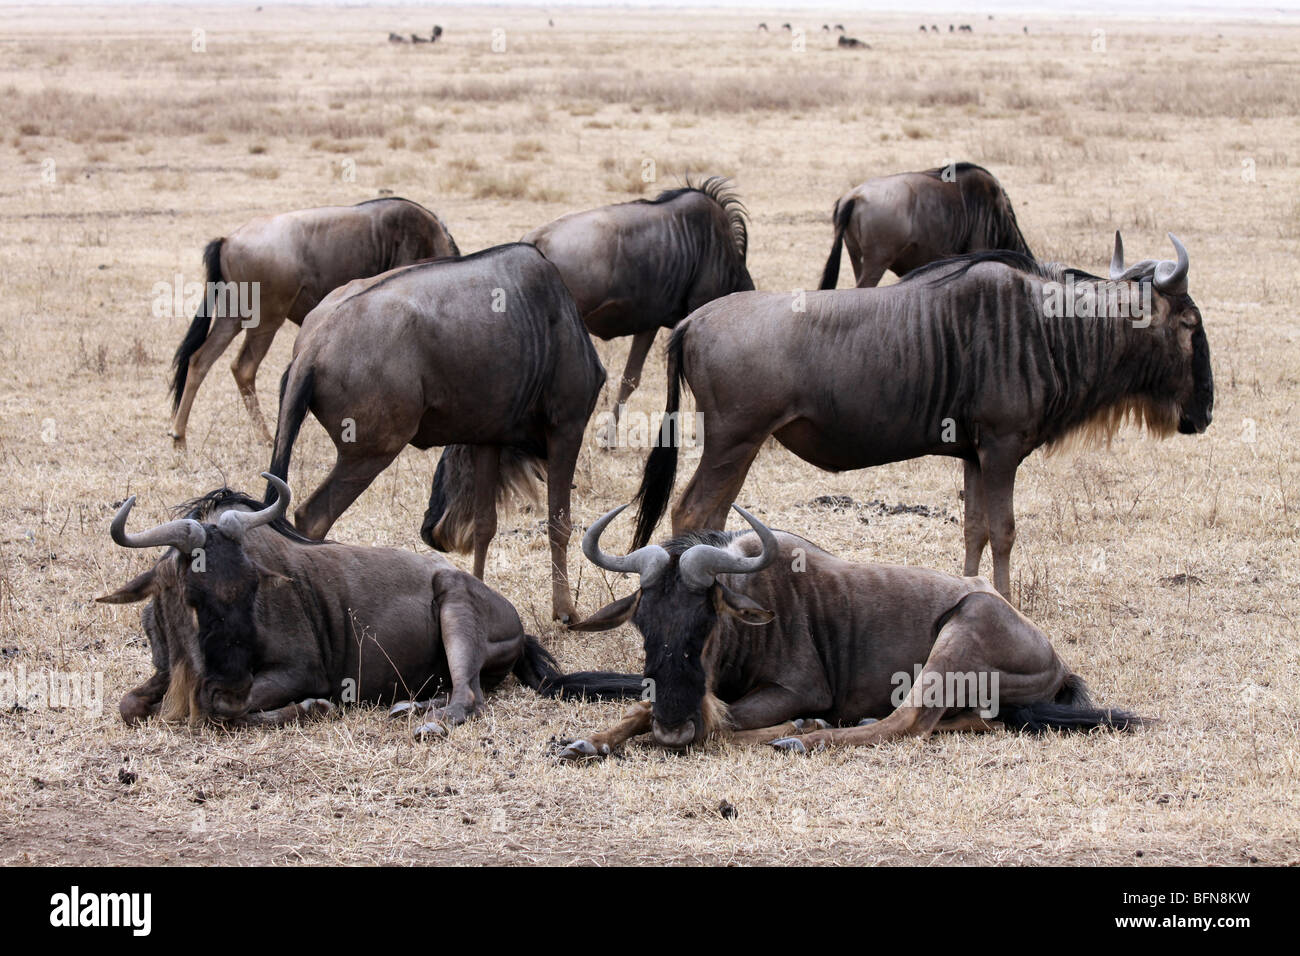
column 682, row 735
column 225, row 699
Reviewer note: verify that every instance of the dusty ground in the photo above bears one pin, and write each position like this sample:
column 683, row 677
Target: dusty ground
column 1166, row 572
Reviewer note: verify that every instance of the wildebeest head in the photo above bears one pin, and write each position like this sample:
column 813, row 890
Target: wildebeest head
column 1189, row 379
column 205, row 593
column 678, row 608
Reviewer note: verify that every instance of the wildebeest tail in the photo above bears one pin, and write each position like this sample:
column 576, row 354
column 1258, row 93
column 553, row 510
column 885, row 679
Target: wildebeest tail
column 295, row 399
column 1072, row 710
column 661, row 467
column 449, row 521
column 538, row 669
column 197, row 333
column 831, row 274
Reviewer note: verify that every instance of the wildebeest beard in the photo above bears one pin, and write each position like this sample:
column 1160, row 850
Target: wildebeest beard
column 677, row 623
column 1200, row 410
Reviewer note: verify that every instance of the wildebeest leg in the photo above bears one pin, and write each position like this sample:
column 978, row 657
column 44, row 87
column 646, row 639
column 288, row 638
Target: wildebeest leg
column 257, row 342
column 717, row 481
column 561, row 459
column 347, row 479
column 869, row 273
column 312, row 708
column 221, row 333
column 998, row 476
column 641, row 343
column 636, row 721
column 766, row 713
column 975, row 527
column 143, row 701
column 487, row 467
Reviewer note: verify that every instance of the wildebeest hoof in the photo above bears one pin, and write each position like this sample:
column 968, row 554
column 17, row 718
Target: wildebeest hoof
column 583, row 750
column 434, row 728
column 807, row 724
column 401, row 708
column 792, row 744
column 867, row 720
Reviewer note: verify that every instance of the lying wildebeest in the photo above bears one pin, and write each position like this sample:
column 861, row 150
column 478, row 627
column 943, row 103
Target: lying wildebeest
column 251, row 623
column 980, row 357
column 396, row 38
column 853, row 43
column 486, row 354
column 293, row 260
column 909, row 220
column 758, row 636
column 636, row 267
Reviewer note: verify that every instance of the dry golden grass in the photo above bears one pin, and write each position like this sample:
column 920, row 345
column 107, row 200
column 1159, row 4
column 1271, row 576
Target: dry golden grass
column 1165, row 572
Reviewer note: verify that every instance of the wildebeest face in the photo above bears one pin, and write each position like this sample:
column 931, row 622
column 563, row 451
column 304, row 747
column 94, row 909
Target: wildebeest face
column 678, row 609
column 1197, row 408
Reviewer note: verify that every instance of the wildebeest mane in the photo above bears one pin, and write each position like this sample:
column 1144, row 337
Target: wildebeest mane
column 722, row 192
column 689, row 539
column 990, row 218
column 204, row 506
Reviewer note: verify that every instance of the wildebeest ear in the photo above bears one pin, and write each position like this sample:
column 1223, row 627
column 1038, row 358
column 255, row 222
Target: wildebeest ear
column 739, row 606
column 137, row 589
column 611, row 615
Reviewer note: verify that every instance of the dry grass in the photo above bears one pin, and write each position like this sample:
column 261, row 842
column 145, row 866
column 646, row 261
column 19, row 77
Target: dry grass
column 1167, row 573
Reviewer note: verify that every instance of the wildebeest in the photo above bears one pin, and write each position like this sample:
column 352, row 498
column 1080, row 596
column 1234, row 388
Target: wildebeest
column 853, row 43
column 763, row 27
column 294, row 260
column 486, row 354
column 761, row 635
column 416, row 38
column 983, row 357
column 251, row 623
column 396, row 38
column 639, row 266
column 908, row 220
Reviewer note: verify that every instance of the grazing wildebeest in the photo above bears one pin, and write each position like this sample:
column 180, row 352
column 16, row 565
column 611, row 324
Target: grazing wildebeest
column 251, row 623
column 396, row 38
column 636, row 267
column 908, row 220
column 761, row 635
column 839, row 28
column 763, row 27
column 853, row 43
column 296, row 259
column 486, row 354
column 980, row 357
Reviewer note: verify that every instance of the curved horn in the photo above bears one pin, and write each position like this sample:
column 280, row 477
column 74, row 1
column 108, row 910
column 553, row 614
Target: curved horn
column 647, row 563
column 238, row 523
column 183, row 534
column 1171, row 277
column 702, row 563
column 1117, row 260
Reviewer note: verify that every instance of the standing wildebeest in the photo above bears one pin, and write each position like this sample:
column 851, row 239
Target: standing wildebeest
column 639, row 266
column 760, row 635
column 296, row 259
column 251, row 623
column 978, row 357
column 909, row 220
column 485, row 353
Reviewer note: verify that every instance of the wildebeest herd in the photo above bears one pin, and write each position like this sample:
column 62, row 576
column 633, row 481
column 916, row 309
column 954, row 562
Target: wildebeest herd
column 980, row 352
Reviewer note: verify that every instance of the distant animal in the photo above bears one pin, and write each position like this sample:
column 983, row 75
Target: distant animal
column 249, row 623
column 934, row 28
column 640, row 266
column 486, row 354
column 839, row 27
column 292, row 261
column 908, row 220
column 763, row 27
column 923, row 30
column 951, row 28
column 966, row 28
column 785, row 27
column 826, row 28
column 416, row 38
column 437, row 32
column 832, row 653
column 1026, row 29
column 977, row 357
column 396, row 38
column 853, row 43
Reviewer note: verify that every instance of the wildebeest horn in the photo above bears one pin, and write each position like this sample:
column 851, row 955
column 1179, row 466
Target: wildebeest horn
column 702, row 563
column 237, row 523
column 648, row 563
column 1171, row 277
column 183, row 534
column 1117, row 260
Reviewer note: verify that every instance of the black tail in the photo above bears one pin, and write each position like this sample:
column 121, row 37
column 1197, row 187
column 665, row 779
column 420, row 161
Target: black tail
column 1072, row 710
column 831, row 274
column 197, row 333
column 449, row 520
column 538, row 669
column 295, row 398
column 661, row 467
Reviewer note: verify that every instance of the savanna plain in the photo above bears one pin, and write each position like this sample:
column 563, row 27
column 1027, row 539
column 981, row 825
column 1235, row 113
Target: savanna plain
column 1167, row 573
